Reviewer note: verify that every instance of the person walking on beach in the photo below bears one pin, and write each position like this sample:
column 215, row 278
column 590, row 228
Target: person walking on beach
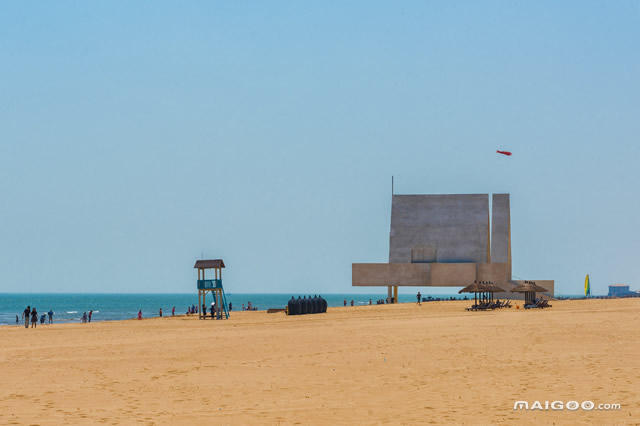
column 90, row 313
column 160, row 312
column 204, row 309
column 351, row 302
column 50, row 316
column 345, row 302
column 419, row 297
column 213, row 309
column 173, row 311
column 84, row 317
column 230, row 306
column 26, row 316
column 140, row 314
column 34, row 318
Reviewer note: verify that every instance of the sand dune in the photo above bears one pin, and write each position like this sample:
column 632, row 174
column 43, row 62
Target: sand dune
column 410, row 364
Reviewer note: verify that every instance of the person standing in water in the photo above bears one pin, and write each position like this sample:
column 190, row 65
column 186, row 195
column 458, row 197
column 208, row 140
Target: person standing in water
column 160, row 312
column 50, row 316
column 140, row 314
column 90, row 313
column 173, row 311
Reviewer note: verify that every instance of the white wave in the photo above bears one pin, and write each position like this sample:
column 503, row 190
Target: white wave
column 72, row 312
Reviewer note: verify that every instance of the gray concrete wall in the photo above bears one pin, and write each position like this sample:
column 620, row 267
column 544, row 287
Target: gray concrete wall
column 422, row 274
column 501, row 230
column 452, row 274
column 439, row 228
column 497, row 273
column 385, row 274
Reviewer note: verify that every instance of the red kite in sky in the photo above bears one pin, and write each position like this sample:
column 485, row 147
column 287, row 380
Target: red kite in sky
column 507, row 153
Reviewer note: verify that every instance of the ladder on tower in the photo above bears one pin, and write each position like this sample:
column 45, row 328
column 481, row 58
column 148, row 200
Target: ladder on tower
column 221, row 300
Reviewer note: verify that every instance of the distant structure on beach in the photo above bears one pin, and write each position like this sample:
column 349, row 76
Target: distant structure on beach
column 446, row 241
column 213, row 286
column 620, row 290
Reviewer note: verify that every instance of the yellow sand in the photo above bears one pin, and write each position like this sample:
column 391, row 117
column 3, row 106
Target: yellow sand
column 408, row 364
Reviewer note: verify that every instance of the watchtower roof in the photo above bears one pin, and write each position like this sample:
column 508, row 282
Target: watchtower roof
column 209, row 264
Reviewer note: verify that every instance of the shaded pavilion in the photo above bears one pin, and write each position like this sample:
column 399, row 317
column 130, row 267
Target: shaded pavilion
column 493, row 288
column 474, row 288
column 484, row 289
column 529, row 288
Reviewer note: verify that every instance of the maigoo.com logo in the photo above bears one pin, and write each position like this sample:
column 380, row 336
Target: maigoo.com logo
column 561, row 405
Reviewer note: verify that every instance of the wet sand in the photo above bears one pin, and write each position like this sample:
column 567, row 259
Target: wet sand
column 401, row 364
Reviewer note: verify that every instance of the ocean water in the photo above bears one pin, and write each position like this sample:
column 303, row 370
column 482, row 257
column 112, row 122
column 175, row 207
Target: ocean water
column 110, row 307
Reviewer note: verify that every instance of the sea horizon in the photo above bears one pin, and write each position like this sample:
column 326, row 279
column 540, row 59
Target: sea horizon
column 69, row 307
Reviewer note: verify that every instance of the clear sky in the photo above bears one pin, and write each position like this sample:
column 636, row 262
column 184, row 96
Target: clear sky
column 136, row 137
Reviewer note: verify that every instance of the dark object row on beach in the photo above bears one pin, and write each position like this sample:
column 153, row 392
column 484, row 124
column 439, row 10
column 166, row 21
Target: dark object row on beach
column 303, row 306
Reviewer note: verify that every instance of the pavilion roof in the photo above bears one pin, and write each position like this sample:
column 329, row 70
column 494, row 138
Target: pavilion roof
column 209, row 264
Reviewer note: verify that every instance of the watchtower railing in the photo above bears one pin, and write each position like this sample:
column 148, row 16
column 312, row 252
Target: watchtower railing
column 209, row 284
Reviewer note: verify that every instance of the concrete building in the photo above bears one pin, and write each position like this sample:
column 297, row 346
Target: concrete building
column 619, row 290
column 445, row 240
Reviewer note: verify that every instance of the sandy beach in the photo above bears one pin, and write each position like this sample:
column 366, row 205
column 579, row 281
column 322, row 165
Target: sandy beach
column 394, row 364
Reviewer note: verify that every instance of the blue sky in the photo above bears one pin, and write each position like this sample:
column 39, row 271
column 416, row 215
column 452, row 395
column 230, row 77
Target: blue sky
column 136, row 137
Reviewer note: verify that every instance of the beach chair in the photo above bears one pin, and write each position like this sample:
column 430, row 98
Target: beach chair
column 534, row 305
column 478, row 307
column 506, row 303
column 484, row 306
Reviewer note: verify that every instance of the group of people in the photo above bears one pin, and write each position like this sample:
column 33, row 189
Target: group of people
column 215, row 311
column 387, row 300
column 173, row 312
column 87, row 318
column 31, row 315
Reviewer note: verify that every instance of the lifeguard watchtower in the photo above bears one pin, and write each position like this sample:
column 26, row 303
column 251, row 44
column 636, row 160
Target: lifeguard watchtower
column 213, row 286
